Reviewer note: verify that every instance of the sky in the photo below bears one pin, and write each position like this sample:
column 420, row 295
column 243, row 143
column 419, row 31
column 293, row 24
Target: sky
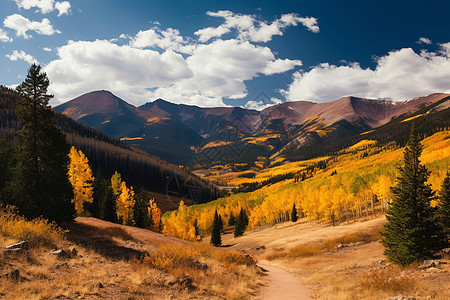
column 251, row 54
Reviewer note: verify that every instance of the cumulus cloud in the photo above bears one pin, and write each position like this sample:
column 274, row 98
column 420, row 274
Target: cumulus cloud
column 169, row 39
column 424, row 40
column 22, row 55
column 47, row 49
column 86, row 66
column 4, row 36
column 45, row 6
column 63, row 8
column 400, row 75
column 251, row 29
column 22, row 25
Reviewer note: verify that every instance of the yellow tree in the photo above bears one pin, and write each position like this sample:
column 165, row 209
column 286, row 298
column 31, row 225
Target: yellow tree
column 80, row 176
column 116, row 182
column 125, row 204
column 154, row 213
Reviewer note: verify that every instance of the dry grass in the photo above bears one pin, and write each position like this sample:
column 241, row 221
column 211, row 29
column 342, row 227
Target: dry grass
column 37, row 232
column 370, row 235
column 44, row 276
column 361, row 271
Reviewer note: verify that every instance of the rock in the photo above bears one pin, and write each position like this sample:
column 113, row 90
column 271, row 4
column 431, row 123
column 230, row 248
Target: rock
column 13, row 275
column 73, row 252
column 432, row 263
column 340, row 246
column 382, row 261
column 14, row 251
column 20, row 245
column 99, row 285
column 185, row 282
column 198, row 265
column 60, row 265
column 60, row 253
column 402, row 298
column 261, row 248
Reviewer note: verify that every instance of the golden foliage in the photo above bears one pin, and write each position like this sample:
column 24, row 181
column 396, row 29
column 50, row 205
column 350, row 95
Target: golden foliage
column 80, row 176
column 37, row 232
column 155, row 213
column 125, row 204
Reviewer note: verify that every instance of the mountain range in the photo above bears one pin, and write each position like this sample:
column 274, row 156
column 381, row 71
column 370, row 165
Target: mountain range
column 192, row 135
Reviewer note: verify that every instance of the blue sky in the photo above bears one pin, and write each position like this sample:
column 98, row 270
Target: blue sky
column 240, row 53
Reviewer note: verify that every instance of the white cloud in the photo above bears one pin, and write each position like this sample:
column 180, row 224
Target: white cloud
column 281, row 66
column 22, row 25
column 400, row 75
column 424, row 40
column 47, row 49
column 22, row 55
column 63, row 8
column 251, row 29
column 169, row 39
column 86, row 66
column 45, row 6
column 260, row 105
column 4, row 36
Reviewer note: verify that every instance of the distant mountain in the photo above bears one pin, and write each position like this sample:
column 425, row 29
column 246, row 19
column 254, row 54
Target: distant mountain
column 191, row 135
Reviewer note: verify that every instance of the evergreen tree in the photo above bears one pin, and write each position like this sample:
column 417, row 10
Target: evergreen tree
column 294, row 217
column 412, row 231
column 105, row 199
column 220, row 223
column 444, row 206
column 216, row 240
column 39, row 185
column 241, row 223
column 197, row 231
column 231, row 219
column 142, row 217
column 6, row 159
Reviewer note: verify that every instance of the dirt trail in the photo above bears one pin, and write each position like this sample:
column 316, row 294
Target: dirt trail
column 282, row 285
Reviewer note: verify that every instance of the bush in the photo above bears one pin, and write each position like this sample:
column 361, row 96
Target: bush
column 37, row 232
column 170, row 257
column 387, row 280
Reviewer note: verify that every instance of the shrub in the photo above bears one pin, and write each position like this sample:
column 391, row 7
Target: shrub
column 170, row 257
column 388, row 280
column 37, row 232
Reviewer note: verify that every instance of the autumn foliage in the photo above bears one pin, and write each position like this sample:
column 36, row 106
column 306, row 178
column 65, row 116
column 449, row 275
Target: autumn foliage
column 80, row 176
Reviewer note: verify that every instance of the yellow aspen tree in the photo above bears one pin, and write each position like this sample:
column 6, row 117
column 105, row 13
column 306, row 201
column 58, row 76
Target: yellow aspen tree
column 80, row 176
column 155, row 214
column 125, row 204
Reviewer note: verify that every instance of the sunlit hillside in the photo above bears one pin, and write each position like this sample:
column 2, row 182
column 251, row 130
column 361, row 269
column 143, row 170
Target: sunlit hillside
column 353, row 184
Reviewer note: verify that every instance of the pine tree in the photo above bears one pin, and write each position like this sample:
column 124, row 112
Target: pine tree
column 81, row 178
column 220, row 223
column 241, row 223
column 216, row 240
column 294, row 217
column 197, row 231
column 6, row 157
column 444, row 206
column 411, row 232
column 39, row 185
column 231, row 219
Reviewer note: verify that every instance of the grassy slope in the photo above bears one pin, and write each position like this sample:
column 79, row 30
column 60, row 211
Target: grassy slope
column 109, row 254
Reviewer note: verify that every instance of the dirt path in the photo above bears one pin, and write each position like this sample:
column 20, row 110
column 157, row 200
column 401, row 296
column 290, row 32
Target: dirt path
column 282, row 285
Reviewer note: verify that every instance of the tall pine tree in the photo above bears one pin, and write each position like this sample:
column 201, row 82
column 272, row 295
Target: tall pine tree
column 216, row 240
column 39, row 185
column 412, row 231
column 294, row 217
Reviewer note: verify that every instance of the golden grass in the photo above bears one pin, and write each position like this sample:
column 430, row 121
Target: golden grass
column 37, row 232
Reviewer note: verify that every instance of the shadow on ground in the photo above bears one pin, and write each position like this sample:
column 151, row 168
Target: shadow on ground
column 100, row 240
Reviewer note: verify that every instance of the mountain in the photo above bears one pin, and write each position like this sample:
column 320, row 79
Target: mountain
column 192, row 135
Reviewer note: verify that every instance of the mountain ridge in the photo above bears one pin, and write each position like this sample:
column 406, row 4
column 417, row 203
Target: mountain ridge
column 183, row 134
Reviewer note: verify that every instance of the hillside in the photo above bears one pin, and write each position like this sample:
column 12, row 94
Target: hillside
column 169, row 183
column 196, row 136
